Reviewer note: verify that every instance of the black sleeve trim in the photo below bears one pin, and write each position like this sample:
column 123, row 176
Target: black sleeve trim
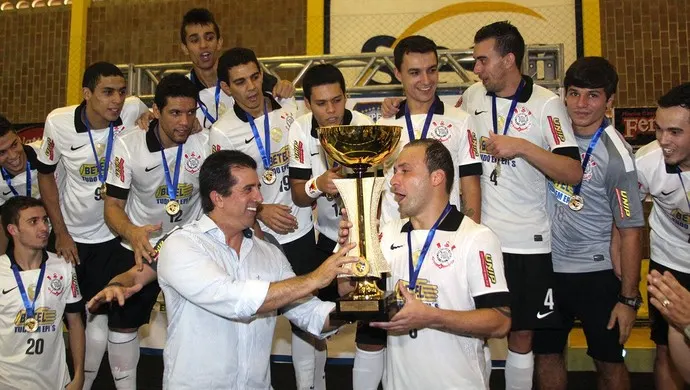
column 45, row 168
column 116, row 192
column 300, row 173
column 491, row 300
column 569, row 151
column 76, row 307
column 474, row 169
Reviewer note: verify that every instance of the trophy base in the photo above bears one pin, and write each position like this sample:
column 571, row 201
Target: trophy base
column 352, row 308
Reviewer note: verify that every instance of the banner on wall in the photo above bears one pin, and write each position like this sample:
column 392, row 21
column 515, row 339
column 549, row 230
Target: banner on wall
column 636, row 124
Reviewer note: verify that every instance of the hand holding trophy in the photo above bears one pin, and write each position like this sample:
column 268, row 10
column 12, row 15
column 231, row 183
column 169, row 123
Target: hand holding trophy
column 358, row 148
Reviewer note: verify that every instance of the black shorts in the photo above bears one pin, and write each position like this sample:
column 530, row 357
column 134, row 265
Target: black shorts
column 657, row 322
column 324, row 248
column 302, row 254
column 530, row 282
column 589, row 297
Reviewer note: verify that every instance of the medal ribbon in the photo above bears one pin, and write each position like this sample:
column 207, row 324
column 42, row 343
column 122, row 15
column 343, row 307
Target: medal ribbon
column 8, row 179
column 685, row 193
column 102, row 171
column 265, row 152
column 171, row 183
column 513, row 105
column 427, row 121
column 29, row 306
column 588, row 154
column 414, row 270
column 204, row 109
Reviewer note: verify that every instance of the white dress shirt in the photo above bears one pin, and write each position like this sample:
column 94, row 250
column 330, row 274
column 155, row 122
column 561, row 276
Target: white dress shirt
column 215, row 338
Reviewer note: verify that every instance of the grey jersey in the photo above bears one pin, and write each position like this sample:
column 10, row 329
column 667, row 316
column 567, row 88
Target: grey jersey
column 581, row 240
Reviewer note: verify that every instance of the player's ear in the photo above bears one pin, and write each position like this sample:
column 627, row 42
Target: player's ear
column 12, row 229
column 438, row 177
column 156, row 111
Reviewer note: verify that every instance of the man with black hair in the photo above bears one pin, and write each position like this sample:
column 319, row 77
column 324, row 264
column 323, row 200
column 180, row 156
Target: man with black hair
column 224, row 287
column 37, row 288
column 80, row 139
column 152, row 186
column 448, row 273
column 586, row 285
column 524, row 137
column 663, row 169
column 311, row 181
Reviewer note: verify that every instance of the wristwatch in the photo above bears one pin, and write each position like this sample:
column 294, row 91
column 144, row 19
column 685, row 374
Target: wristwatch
column 635, row 302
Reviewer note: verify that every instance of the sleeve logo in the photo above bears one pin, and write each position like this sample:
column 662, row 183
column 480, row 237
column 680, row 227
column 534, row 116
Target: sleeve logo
column 556, row 129
column 472, row 141
column 50, row 148
column 487, row 269
column 120, row 168
column 623, row 203
column 298, row 151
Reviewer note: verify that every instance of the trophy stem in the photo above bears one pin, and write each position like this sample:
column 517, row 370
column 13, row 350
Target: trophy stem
column 361, row 221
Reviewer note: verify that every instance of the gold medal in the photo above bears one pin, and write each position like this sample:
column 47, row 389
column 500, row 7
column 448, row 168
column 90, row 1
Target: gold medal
column 269, row 177
column 497, row 169
column 100, row 148
column 276, row 134
column 576, row 203
column 361, row 268
column 172, row 207
column 103, row 189
column 30, row 325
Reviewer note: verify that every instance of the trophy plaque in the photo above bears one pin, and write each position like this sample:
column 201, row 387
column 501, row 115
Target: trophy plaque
column 359, row 148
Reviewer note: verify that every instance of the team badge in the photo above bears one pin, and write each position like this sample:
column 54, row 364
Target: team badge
column 521, row 120
column 222, row 109
column 444, row 255
column 193, row 162
column 442, row 131
column 276, row 135
column 55, row 286
column 288, row 121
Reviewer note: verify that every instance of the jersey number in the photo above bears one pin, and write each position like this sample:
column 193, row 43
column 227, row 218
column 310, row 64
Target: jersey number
column 35, row 346
column 285, row 184
column 548, row 300
column 97, row 193
column 336, row 209
column 177, row 217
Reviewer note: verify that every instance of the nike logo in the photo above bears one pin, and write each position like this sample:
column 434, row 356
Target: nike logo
column 393, row 247
column 147, row 169
column 540, row 316
column 6, row 193
column 479, row 112
column 246, row 141
column 119, row 379
column 315, row 154
column 76, row 148
column 668, row 193
column 7, row 291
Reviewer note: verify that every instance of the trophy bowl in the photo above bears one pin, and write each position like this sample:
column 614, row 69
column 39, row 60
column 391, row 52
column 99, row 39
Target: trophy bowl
column 359, row 148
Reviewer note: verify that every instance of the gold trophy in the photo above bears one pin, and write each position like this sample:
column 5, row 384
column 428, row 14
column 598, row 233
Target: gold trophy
column 359, row 148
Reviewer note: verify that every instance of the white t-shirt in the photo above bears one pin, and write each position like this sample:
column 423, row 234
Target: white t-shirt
column 232, row 131
column 462, row 271
column 66, row 141
column 514, row 205
column 669, row 219
column 137, row 175
column 36, row 360
column 308, row 160
column 450, row 125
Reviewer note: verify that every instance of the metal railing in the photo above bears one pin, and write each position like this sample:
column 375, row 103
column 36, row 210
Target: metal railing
column 368, row 73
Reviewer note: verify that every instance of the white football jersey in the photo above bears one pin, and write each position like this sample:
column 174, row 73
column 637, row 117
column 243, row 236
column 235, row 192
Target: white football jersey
column 36, row 360
column 66, row 141
column 232, row 131
column 514, row 203
column 450, row 125
column 669, row 219
column 19, row 182
column 462, row 271
column 137, row 175
column 308, row 160
column 214, row 108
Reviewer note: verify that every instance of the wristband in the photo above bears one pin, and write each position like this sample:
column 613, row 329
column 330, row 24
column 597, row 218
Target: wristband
column 311, row 189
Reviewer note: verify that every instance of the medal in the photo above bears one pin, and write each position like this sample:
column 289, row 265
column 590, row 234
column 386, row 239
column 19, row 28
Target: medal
column 415, row 265
column 269, row 177
column 361, row 268
column 172, row 207
column 98, row 151
column 103, row 189
column 8, row 179
column 30, row 325
column 576, row 203
column 408, row 120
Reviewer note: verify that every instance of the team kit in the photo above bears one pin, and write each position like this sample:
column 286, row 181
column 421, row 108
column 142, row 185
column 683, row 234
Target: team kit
column 512, row 213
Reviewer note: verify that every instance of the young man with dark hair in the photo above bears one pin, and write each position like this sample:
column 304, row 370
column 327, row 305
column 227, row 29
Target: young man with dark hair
column 448, row 272
column 586, row 285
column 80, row 139
column 38, row 287
column 524, row 136
column 258, row 125
column 224, row 286
column 663, row 169
column 152, row 186
column 311, row 181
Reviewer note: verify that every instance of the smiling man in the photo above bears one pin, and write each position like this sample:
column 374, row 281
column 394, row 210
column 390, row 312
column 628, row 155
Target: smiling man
column 663, row 169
